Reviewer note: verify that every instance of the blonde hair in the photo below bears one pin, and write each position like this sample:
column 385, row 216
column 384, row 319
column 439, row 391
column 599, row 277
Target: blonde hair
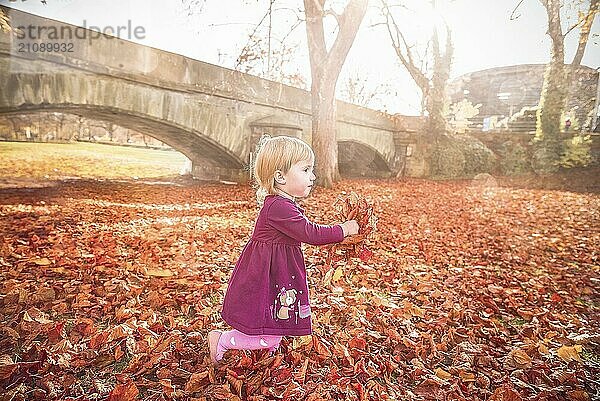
column 277, row 153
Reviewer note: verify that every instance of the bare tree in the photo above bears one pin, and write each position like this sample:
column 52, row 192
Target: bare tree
column 192, row 7
column 431, row 82
column 325, row 66
column 15, row 127
column 110, row 128
column 272, row 55
column 356, row 90
column 557, row 82
column 268, row 56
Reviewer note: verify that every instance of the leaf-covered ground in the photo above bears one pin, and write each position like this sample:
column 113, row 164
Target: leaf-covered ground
column 108, row 290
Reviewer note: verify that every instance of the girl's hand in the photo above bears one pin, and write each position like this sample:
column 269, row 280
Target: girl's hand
column 349, row 227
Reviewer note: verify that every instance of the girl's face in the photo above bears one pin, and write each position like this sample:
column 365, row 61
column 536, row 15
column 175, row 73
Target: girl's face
column 299, row 180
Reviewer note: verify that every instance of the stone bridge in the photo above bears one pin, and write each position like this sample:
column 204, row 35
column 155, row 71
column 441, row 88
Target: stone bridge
column 211, row 114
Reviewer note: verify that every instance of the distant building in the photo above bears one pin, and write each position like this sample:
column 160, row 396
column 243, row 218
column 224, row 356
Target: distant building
column 509, row 96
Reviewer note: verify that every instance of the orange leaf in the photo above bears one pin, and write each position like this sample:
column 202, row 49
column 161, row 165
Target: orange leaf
column 196, row 382
column 466, row 376
column 359, row 343
column 98, row 340
column 505, row 393
column 124, row 392
column 42, row 262
column 442, row 374
column 300, row 376
column 159, row 273
column 118, row 353
column 568, row 354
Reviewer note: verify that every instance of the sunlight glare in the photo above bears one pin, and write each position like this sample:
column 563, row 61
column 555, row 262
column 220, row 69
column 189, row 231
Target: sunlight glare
column 165, row 207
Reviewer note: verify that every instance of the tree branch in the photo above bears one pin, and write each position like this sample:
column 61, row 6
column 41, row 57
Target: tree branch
column 313, row 10
column 554, row 28
column 335, row 15
column 350, row 21
column 398, row 41
column 512, row 14
column 584, row 34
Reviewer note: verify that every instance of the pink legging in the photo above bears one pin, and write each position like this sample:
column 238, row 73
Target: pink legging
column 234, row 339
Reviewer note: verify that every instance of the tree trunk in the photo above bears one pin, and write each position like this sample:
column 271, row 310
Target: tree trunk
column 325, row 69
column 585, row 22
column 324, row 136
column 584, row 34
column 13, row 135
column 553, row 97
column 437, row 98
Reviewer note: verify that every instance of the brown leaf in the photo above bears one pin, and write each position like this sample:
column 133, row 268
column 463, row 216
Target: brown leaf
column 160, row 273
column 118, row 353
column 430, row 390
column 505, row 393
column 98, row 340
column 300, row 375
column 6, row 370
column 569, row 354
column 466, row 376
column 442, row 374
column 358, row 343
column 578, row 395
column 196, row 382
column 42, row 262
column 124, row 392
column 518, row 359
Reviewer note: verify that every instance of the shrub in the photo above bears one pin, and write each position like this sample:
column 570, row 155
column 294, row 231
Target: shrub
column 460, row 157
column 544, row 157
column 478, row 158
column 447, row 160
column 513, row 158
column 576, row 152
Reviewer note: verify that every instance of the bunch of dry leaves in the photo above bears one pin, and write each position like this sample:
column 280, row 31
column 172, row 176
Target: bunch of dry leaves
column 353, row 207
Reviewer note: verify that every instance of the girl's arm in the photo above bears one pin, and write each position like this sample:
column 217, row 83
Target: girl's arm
column 285, row 217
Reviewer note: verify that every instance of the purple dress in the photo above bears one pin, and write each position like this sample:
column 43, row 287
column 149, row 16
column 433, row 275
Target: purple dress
column 267, row 292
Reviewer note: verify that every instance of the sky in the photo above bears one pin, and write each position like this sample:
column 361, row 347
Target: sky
column 484, row 35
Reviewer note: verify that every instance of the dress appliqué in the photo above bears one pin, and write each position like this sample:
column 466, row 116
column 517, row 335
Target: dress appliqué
column 287, row 305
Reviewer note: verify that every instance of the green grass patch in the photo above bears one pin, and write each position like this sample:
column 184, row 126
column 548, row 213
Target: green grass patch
column 85, row 160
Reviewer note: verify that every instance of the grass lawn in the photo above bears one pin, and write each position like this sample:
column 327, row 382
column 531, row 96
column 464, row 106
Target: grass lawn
column 28, row 160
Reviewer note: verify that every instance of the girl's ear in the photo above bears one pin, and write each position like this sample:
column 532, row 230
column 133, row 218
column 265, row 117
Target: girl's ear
column 279, row 178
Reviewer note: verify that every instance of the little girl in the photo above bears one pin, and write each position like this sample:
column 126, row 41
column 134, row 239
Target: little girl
column 267, row 296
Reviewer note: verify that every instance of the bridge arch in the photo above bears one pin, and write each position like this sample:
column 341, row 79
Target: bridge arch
column 359, row 159
column 193, row 145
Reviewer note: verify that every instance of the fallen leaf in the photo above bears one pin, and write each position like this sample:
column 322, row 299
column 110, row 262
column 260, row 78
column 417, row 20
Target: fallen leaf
column 159, row 273
column 124, row 392
column 339, row 272
column 442, row 374
column 568, row 354
column 518, row 359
